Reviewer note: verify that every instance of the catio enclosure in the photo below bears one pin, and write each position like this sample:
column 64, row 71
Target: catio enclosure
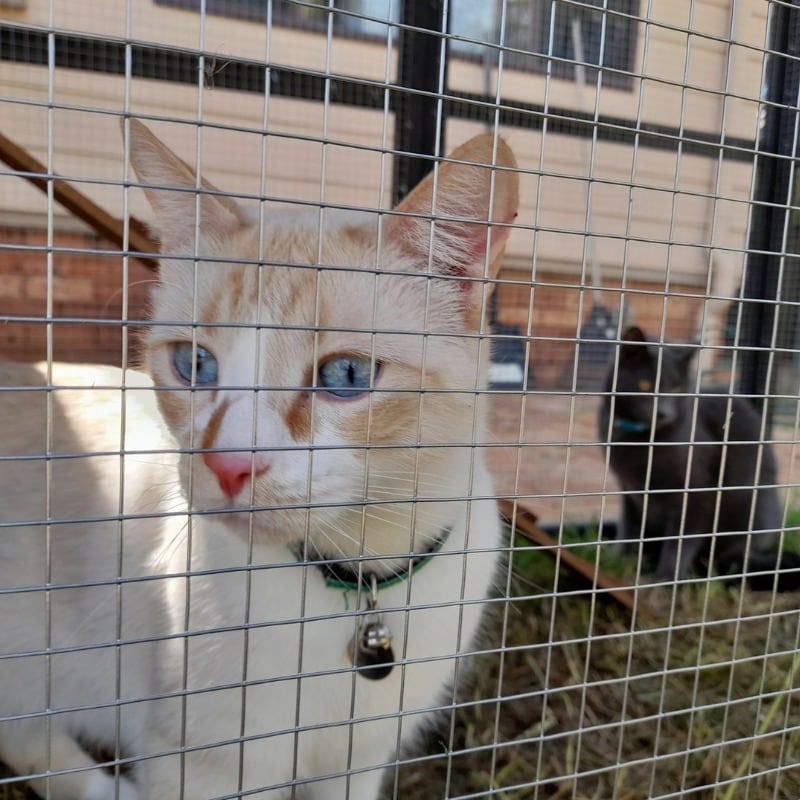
column 656, row 147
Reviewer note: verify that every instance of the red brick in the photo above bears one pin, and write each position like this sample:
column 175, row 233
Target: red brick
column 11, row 287
column 63, row 289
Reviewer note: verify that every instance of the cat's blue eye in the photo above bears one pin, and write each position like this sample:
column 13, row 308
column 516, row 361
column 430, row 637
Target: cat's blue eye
column 194, row 364
column 346, row 376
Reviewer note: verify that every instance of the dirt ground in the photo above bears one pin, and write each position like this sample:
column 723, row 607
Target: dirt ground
column 554, row 460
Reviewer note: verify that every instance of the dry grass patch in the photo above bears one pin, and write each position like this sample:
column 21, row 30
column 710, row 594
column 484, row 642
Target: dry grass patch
column 697, row 701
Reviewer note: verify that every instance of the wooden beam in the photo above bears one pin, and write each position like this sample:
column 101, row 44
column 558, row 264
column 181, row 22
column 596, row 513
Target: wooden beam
column 525, row 524
column 80, row 205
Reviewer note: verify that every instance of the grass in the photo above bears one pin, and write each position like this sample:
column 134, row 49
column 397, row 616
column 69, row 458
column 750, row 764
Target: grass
column 593, row 704
column 695, row 698
column 583, row 542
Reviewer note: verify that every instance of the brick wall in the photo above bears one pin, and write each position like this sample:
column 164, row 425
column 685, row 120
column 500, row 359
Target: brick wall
column 561, row 307
column 87, row 305
column 87, row 294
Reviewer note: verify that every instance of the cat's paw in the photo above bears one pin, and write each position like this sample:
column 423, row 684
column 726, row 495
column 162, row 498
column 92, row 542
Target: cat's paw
column 102, row 786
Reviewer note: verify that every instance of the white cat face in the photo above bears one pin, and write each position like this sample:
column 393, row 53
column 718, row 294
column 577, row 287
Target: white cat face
column 313, row 398
column 337, row 361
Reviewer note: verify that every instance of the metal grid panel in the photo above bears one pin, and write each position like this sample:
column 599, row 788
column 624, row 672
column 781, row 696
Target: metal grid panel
column 337, row 398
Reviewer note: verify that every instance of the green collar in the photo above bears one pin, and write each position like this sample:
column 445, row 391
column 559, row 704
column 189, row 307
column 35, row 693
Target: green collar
column 353, row 576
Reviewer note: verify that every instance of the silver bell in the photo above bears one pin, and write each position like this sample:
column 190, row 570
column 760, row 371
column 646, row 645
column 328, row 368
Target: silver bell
column 376, row 636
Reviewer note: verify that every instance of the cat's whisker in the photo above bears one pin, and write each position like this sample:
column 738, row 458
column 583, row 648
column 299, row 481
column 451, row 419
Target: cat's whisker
column 405, row 511
column 421, row 538
column 170, row 548
column 420, row 502
column 414, row 474
column 445, row 489
column 418, row 511
column 357, row 527
column 364, row 551
column 339, row 534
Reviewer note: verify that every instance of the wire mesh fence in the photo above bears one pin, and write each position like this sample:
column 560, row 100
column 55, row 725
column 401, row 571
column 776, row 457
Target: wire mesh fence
column 399, row 400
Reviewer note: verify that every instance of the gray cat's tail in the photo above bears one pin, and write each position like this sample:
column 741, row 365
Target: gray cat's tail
column 768, row 570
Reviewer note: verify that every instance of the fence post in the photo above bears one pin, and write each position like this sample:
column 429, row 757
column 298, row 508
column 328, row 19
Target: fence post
column 419, row 124
column 772, row 201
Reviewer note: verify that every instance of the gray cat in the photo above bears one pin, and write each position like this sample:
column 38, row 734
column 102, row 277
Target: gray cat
column 689, row 473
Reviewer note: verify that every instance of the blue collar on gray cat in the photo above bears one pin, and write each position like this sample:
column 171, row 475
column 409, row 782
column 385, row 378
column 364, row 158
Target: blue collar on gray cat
column 346, row 575
column 631, row 426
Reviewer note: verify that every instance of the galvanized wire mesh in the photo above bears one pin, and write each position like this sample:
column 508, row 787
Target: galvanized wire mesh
column 656, row 151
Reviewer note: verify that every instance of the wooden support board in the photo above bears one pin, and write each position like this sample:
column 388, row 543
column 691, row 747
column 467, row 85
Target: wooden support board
column 525, row 524
column 77, row 203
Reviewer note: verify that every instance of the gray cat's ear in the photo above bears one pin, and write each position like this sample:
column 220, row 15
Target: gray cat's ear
column 476, row 198
column 633, row 333
column 635, row 346
column 172, row 189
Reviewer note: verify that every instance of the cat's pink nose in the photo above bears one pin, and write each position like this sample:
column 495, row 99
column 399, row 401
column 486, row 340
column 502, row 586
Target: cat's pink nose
column 234, row 470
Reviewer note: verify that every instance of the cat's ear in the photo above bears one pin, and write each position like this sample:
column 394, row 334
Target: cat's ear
column 635, row 347
column 172, row 189
column 476, row 198
column 633, row 333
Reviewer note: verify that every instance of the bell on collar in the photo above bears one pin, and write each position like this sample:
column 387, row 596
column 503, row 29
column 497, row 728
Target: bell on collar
column 375, row 636
column 372, row 651
column 371, row 648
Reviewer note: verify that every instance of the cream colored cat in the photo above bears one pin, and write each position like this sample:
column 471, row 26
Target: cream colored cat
column 71, row 473
column 313, row 607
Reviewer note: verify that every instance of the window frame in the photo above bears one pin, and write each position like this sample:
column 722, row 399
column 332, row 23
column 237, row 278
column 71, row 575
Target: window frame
column 514, row 58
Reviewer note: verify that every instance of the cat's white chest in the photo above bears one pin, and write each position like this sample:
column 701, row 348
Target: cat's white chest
column 266, row 694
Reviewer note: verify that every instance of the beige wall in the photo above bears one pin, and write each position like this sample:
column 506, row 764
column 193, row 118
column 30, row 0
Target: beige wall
column 657, row 215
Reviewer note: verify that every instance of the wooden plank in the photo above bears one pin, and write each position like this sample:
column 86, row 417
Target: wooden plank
column 77, row 203
column 525, row 524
